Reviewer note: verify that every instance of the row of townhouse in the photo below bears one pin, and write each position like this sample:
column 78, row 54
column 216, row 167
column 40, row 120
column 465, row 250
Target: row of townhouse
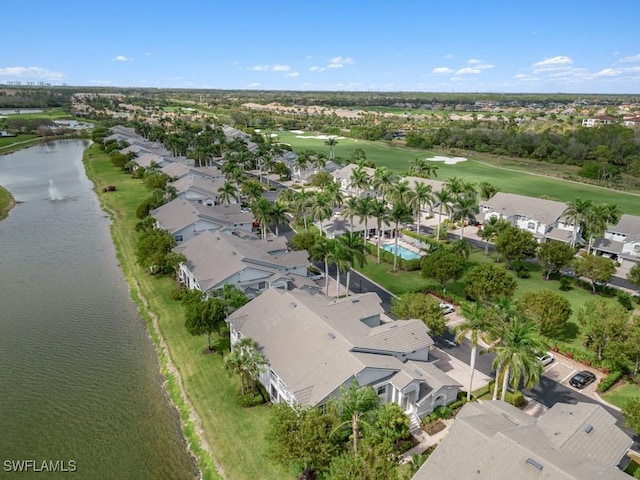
column 314, row 345
column 545, row 219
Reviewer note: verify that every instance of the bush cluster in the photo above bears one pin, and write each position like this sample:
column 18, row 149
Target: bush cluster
column 609, row 381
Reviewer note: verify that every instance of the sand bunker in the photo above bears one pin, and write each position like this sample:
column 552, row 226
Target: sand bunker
column 447, row 160
column 299, row 132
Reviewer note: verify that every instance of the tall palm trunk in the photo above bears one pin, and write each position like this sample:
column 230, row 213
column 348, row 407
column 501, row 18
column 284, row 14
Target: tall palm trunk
column 495, row 384
column 326, row 274
column 462, row 230
column 505, row 383
column 474, row 350
column 355, row 431
column 348, row 281
column 439, row 222
column 337, row 281
column 395, row 257
column 418, row 228
column 378, row 243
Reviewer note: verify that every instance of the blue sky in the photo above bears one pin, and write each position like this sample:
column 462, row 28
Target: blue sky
column 429, row 46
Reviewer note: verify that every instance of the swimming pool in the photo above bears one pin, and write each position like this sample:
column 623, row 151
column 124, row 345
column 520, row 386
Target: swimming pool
column 402, row 252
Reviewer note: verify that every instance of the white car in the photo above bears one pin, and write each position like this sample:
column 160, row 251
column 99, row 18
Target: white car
column 546, row 358
column 447, row 308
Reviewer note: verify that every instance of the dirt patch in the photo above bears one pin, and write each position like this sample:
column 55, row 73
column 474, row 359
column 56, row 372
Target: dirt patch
column 434, row 427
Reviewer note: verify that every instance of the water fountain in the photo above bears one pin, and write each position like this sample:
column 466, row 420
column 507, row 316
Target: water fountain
column 54, row 193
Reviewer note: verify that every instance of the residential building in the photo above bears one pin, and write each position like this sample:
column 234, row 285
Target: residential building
column 198, row 189
column 543, row 218
column 185, row 219
column 494, row 440
column 342, row 176
column 598, row 120
column 315, row 345
column 631, row 121
column 621, row 242
column 215, row 259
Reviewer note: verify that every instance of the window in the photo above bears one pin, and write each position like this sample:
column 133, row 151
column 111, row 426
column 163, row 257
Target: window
column 382, row 390
column 179, row 238
column 262, row 285
column 531, row 225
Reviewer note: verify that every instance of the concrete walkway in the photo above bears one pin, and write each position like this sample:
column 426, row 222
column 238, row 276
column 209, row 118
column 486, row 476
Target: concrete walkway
column 426, row 441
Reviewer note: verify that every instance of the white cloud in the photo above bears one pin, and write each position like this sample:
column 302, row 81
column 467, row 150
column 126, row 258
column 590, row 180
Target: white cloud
column 335, row 65
column 122, row 58
column 440, row 70
column 254, row 85
column 448, row 55
column 292, row 75
column 341, row 61
column 31, row 72
column 554, row 61
column 473, row 61
column 317, row 69
column 631, row 59
column 609, row 72
column 468, row 71
column 271, row 68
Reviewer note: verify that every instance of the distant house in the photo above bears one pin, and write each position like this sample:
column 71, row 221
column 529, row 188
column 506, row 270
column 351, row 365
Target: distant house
column 494, row 440
column 342, row 176
column 631, row 121
column 198, row 189
column 543, row 218
column 215, row 259
column 147, row 160
column 621, row 242
column 598, row 120
column 315, row 345
column 185, row 219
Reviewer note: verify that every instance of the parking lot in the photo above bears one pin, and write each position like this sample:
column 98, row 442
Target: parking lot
column 563, row 368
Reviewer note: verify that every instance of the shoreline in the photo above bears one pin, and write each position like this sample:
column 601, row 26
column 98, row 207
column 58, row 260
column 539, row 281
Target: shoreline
column 197, row 448
column 11, row 202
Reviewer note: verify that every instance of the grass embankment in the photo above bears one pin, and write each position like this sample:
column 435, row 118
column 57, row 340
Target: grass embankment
column 235, row 436
column 522, row 177
column 6, row 202
column 619, row 395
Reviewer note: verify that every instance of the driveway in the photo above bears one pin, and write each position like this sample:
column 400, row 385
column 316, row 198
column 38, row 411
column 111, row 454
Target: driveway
column 562, row 369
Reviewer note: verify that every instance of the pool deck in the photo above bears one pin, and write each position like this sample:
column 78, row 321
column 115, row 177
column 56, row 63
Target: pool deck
column 409, row 243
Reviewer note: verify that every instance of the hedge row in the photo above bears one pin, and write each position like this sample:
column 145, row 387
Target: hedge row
column 609, row 381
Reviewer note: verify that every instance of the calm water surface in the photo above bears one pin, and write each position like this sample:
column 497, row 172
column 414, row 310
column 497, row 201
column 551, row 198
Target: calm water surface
column 79, row 378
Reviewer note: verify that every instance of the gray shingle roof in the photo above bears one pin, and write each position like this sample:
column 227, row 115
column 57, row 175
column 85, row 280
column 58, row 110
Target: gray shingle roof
column 510, row 204
column 628, row 225
column 493, row 440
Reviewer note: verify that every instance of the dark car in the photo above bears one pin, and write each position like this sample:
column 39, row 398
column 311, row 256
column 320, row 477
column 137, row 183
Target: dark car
column 582, row 379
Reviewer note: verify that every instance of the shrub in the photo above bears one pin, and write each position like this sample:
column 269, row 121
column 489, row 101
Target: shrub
column 565, row 284
column 516, row 399
column 625, row 300
column 609, row 381
column 522, row 271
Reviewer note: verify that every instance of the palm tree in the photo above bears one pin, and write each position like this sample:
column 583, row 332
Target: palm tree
column 382, row 181
column 444, row 197
column 598, row 218
column 421, row 167
column 354, row 404
column 261, row 209
column 278, row 215
column 422, row 195
column 400, row 193
column 487, row 190
column 227, row 192
column 247, row 361
column 490, row 230
column 321, row 208
column 351, row 210
column 359, row 180
column 399, row 213
column 253, row 190
column 576, row 213
column 381, row 212
column 331, row 142
column 301, row 162
column 365, row 204
column 318, row 160
column 465, row 209
column 475, row 326
column 517, row 353
column 341, row 257
column 354, row 252
column 321, row 251
column 455, row 185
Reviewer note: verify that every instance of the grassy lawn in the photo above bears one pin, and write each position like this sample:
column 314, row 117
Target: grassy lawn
column 509, row 176
column 6, row 202
column 6, row 142
column 402, row 282
column 234, row 435
column 618, row 396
